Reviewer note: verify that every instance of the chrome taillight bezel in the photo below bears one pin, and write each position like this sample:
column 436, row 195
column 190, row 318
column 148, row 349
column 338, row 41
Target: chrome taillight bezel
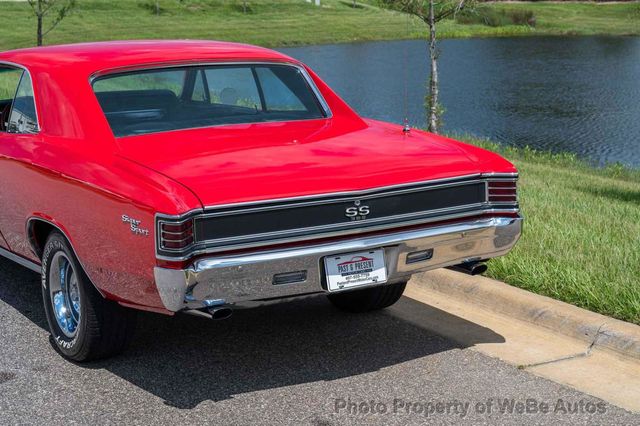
column 176, row 236
column 502, row 191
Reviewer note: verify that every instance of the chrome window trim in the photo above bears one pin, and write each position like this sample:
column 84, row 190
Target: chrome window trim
column 186, row 64
column 35, row 99
column 200, row 247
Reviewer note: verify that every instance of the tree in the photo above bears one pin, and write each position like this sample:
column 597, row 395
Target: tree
column 430, row 12
column 43, row 8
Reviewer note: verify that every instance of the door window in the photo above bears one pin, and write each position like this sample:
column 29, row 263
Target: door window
column 9, row 80
column 23, row 118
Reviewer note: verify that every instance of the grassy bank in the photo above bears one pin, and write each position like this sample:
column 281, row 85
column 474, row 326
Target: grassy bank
column 293, row 22
column 581, row 239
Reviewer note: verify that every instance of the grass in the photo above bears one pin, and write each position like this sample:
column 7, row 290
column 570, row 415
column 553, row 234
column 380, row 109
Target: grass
column 581, row 237
column 9, row 80
column 295, row 22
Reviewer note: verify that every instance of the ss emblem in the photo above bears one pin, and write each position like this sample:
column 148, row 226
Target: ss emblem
column 357, row 212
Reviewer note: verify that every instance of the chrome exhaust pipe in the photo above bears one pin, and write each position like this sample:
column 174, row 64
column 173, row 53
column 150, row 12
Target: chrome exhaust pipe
column 221, row 313
column 213, row 313
column 470, row 268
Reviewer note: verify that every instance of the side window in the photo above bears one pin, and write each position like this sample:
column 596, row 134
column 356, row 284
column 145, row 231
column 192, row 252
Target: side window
column 165, row 81
column 277, row 94
column 9, row 80
column 233, row 87
column 23, row 113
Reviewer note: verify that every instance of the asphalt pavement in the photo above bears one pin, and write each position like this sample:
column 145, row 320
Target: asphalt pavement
column 300, row 362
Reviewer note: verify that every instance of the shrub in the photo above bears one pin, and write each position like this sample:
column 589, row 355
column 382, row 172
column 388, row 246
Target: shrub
column 496, row 18
column 153, row 7
column 522, row 17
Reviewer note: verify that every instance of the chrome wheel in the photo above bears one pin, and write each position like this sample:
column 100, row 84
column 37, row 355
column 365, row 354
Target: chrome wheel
column 65, row 294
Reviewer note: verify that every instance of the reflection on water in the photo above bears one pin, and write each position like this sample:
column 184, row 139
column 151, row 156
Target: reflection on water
column 563, row 94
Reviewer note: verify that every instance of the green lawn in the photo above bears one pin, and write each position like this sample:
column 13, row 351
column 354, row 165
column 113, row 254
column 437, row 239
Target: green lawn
column 581, row 238
column 292, row 22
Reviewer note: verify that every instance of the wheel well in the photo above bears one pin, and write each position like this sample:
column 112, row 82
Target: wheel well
column 38, row 231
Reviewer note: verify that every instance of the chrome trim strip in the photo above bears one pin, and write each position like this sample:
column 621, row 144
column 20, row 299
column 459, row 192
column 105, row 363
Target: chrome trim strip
column 353, row 232
column 346, row 224
column 355, row 193
column 176, row 241
column 33, row 88
column 20, row 260
column 500, row 175
column 347, row 199
column 172, row 233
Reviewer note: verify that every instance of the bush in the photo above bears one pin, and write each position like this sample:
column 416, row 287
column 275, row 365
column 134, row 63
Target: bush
column 522, row 17
column 153, row 7
column 496, row 18
column 241, row 6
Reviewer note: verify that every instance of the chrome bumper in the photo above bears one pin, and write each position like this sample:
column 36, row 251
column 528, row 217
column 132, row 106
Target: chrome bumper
column 250, row 277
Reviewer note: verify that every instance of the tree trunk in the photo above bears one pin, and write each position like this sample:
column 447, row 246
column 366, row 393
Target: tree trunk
column 39, row 30
column 433, row 105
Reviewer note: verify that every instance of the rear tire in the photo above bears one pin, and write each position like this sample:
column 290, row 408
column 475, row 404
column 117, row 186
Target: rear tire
column 84, row 326
column 368, row 299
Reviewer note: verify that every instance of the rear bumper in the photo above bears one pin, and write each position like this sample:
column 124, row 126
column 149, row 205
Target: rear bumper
column 250, row 277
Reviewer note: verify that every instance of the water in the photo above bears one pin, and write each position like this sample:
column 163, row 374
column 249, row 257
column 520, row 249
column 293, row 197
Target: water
column 576, row 94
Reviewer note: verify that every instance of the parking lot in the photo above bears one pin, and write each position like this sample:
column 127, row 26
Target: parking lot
column 300, row 362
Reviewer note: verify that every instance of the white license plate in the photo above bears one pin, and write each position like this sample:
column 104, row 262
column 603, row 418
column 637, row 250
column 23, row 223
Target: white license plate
column 355, row 269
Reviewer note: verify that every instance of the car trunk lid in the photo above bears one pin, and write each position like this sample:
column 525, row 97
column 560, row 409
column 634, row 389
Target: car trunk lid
column 267, row 161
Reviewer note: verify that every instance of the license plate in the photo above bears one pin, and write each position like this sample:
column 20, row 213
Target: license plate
column 355, row 269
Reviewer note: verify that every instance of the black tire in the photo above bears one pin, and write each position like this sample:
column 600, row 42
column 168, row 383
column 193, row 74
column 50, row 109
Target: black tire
column 368, row 299
column 101, row 328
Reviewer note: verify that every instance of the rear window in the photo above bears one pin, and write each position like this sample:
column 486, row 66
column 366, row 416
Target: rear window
column 162, row 100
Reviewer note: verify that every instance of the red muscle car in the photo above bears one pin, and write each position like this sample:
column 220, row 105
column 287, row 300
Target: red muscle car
column 197, row 176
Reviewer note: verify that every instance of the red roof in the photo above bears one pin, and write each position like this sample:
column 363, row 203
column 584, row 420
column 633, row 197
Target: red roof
column 100, row 56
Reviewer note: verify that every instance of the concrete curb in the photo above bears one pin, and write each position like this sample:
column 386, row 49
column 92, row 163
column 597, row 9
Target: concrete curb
column 597, row 330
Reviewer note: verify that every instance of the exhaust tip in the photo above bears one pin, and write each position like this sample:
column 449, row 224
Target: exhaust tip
column 470, row 268
column 220, row 313
column 479, row 268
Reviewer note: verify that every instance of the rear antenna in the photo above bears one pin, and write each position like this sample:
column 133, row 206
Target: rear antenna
column 406, row 129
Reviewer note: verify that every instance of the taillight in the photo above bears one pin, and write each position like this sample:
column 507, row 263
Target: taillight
column 176, row 236
column 502, row 191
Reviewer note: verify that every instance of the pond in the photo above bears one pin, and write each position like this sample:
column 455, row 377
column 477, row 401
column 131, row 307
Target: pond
column 576, row 94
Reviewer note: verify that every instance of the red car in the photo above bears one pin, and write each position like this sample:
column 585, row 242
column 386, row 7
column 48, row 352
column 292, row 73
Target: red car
column 196, row 176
